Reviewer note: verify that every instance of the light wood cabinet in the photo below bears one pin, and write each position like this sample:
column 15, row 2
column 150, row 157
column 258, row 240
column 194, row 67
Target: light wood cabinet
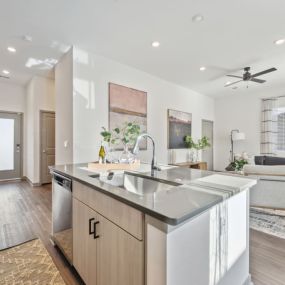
column 112, row 257
column 120, row 256
column 84, row 244
column 124, row 216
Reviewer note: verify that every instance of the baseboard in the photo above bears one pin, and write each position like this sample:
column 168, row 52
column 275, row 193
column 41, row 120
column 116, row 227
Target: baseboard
column 248, row 281
column 25, row 178
column 15, row 180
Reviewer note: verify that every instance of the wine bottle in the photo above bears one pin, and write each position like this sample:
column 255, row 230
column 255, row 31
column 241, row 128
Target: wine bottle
column 102, row 154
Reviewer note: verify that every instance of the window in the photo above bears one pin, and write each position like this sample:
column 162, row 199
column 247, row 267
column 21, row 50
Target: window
column 281, row 131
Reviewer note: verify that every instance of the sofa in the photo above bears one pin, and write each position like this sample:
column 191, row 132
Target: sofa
column 269, row 191
column 269, row 160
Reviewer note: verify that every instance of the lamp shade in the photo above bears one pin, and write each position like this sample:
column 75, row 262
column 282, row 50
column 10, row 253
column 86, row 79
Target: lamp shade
column 238, row 136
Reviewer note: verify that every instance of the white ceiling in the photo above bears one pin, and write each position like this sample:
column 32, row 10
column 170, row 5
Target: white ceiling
column 234, row 34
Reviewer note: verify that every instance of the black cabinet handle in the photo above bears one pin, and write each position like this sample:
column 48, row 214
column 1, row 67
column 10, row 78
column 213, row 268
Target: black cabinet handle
column 90, row 226
column 95, row 230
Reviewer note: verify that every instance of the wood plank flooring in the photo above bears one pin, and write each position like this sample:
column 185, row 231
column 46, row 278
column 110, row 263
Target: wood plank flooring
column 26, row 212
column 267, row 259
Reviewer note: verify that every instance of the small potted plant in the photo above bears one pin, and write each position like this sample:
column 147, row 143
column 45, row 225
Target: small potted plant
column 112, row 139
column 126, row 135
column 190, row 144
column 129, row 133
column 237, row 165
column 201, row 144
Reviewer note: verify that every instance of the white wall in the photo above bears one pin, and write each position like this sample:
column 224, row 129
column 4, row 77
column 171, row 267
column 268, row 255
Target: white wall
column 12, row 97
column 239, row 110
column 40, row 96
column 64, row 113
column 92, row 73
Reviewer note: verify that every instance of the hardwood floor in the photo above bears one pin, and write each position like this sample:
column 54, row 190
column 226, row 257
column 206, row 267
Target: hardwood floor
column 26, row 213
column 267, row 259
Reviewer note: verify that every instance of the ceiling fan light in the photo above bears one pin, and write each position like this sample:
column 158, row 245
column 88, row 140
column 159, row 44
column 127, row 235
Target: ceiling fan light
column 11, row 49
column 280, row 42
column 155, row 44
column 6, row 72
column 197, row 18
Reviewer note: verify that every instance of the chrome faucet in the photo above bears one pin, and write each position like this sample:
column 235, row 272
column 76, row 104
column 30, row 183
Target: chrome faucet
column 136, row 150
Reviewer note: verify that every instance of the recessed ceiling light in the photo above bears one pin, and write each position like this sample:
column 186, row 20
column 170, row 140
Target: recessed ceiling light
column 6, row 72
column 202, row 68
column 27, row 38
column 280, row 42
column 11, row 49
column 197, row 18
column 155, row 44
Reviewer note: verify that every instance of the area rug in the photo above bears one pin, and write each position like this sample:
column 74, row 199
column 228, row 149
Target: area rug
column 28, row 264
column 269, row 221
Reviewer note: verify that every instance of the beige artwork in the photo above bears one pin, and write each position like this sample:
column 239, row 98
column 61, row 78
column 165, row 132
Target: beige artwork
column 127, row 105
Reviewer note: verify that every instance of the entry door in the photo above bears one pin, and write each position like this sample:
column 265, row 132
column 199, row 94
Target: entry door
column 208, row 154
column 47, row 144
column 10, row 145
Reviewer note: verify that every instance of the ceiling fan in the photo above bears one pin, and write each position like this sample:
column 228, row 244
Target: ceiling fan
column 247, row 76
column 5, row 77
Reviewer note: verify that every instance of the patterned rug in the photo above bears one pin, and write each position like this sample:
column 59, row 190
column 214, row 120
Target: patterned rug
column 269, row 221
column 28, row 264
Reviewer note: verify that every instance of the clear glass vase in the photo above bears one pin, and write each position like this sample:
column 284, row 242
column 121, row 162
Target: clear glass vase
column 111, row 156
column 126, row 156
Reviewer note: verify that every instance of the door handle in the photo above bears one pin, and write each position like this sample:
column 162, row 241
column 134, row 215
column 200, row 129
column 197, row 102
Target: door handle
column 44, row 151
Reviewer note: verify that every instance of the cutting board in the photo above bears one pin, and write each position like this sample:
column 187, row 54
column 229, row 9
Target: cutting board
column 113, row 166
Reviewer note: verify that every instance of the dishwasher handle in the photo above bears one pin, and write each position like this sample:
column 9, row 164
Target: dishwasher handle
column 62, row 181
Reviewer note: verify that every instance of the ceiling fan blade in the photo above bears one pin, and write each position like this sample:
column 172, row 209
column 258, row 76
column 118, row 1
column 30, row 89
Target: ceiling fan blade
column 227, row 85
column 264, row 72
column 235, row 76
column 5, row 77
column 257, row 80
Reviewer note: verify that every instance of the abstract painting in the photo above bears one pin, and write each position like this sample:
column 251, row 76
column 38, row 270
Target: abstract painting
column 127, row 105
column 179, row 125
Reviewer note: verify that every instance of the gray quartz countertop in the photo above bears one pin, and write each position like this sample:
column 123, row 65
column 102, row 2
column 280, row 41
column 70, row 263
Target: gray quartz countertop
column 191, row 193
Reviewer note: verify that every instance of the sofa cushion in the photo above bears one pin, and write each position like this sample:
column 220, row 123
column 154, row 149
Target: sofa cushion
column 274, row 160
column 259, row 160
column 269, row 160
column 264, row 170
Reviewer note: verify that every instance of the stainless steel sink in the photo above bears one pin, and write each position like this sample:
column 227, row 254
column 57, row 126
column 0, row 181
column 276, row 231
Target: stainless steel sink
column 137, row 184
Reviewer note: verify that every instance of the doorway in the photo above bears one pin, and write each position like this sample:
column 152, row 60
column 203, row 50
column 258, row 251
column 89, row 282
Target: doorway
column 208, row 154
column 10, row 145
column 47, row 144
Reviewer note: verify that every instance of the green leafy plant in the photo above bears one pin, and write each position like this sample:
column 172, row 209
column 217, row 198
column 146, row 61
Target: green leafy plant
column 238, row 164
column 111, row 137
column 202, row 143
column 189, row 142
column 127, row 134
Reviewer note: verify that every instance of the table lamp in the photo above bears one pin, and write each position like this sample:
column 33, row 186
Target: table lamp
column 236, row 135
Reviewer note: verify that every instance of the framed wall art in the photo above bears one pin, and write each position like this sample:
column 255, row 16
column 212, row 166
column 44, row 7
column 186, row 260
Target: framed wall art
column 179, row 125
column 127, row 105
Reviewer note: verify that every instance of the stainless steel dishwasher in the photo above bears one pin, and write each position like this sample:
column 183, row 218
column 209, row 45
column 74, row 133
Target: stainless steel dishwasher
column 62, row 214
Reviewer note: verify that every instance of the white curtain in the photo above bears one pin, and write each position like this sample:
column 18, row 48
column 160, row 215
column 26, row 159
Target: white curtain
column 269, row 126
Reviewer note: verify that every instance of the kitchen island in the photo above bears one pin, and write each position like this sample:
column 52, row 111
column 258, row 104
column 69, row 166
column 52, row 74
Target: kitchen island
column 177, row 227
